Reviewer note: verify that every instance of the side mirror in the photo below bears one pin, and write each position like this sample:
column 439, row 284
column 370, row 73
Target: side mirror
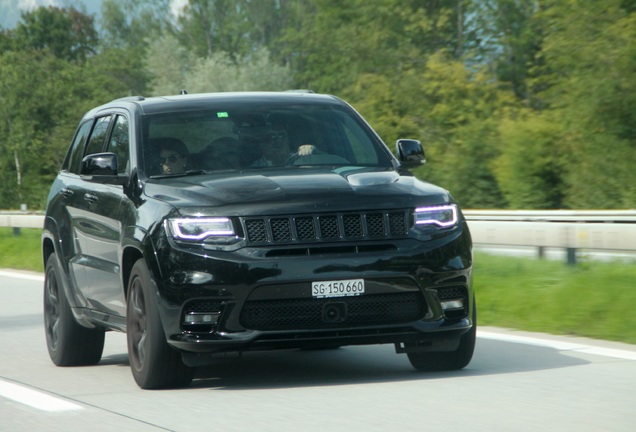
column 410, row 153
column 101, row 168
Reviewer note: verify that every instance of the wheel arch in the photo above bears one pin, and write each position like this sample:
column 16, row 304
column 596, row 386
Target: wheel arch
column 49, row 238
column 130, row 256
column 48, row 247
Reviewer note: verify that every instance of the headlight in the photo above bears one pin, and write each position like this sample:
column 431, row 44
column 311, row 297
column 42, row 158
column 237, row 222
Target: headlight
column 442, row 216
column 201, row 228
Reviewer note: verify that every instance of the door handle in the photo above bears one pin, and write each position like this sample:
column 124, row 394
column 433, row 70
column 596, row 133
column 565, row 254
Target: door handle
column 90, row 197
column 66, row 192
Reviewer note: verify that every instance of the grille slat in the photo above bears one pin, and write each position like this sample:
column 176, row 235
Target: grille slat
column 305, row 228
column 297, row 314
column 281, row 229
column 352, row 226
column 375, row 225
column 327, row 227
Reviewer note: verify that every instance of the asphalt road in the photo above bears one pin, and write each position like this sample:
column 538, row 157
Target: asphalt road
column 516, row 382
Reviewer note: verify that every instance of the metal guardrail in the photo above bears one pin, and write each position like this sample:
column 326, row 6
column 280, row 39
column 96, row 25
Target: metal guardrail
column 571, row 230
column 594, row 230
column 588, row 230
column 586, row 216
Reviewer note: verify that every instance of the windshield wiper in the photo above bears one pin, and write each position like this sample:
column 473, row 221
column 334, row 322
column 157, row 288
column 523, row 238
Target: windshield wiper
column 181, row 174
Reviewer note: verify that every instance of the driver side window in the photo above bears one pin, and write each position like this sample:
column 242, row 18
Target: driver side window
column 119, row 143
column 96, row 142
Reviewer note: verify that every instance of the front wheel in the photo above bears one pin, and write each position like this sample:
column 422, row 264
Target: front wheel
column 451, row 360
column 153, row 362
column 68, row 343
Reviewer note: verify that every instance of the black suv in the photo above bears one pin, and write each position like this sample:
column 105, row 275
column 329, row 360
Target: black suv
column 212, row 223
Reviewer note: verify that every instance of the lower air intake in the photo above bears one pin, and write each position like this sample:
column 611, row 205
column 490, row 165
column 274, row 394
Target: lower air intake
column 310, row 314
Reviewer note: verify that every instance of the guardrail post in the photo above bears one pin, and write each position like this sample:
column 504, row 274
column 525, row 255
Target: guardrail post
column 571, row 254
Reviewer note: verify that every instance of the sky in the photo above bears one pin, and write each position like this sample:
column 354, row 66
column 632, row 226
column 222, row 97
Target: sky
column 10, row 9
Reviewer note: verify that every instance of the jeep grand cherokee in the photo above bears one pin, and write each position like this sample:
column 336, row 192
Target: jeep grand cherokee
column 211, row 223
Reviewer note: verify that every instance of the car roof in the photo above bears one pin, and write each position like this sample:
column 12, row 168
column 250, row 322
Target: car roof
column 187, row 102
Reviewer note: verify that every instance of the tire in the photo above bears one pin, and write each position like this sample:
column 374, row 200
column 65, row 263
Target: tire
column 68, row 343
column 451, row 360
column 154, row 364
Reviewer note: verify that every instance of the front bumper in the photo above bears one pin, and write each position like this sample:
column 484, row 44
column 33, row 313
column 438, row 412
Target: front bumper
column 266, row 303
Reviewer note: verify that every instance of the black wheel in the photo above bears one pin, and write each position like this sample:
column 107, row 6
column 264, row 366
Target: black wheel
column 450, row 360
column 68, row 343
column 153, row 362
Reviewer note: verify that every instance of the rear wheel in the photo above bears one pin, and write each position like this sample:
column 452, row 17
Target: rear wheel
column 447, row 360
column 153, row 362
column 68, row 343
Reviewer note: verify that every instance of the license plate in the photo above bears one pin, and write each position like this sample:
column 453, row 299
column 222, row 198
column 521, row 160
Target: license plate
column 337, row 288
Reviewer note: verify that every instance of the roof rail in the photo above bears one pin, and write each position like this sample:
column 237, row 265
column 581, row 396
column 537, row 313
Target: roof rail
column 300, row 91
column 130, row 98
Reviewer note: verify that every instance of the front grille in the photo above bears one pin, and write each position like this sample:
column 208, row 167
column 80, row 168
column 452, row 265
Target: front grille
column 256, row 230
column 375, row 225
column 308, row 314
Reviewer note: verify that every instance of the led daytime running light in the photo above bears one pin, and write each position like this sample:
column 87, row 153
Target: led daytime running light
column 204, row 227
column 435, row 216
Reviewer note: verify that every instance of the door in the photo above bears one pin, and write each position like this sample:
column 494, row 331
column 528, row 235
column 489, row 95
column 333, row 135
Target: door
column 103, row 234
column 94, row 210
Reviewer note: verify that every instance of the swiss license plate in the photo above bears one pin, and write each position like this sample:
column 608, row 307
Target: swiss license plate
column 337, row 288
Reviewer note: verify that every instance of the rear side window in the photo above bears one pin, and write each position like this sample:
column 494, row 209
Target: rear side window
column 72, row 162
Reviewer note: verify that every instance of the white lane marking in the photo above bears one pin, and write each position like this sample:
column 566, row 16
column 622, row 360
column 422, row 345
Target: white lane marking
column 35, row 399
column 559, row 345
column 16, row 275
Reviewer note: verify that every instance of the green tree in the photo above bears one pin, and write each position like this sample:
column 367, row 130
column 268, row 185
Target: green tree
column 529, row 168
column 454, row 111
column 174, row 68
column 65, row 32
column 512, row 34
column 41, row 100
column 268, row 21
column 250, row 73
column 590, row 49
column 44, row 90
column 331, row 45
column 128, row 27
column 167, row 62
column 461, row 111
column 207, row 27
column 131, row 23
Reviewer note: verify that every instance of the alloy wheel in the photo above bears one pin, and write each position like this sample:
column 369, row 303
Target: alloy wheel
column 138, row 328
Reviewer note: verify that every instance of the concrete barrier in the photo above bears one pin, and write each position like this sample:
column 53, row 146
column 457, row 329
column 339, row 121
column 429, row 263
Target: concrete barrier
column 21, row 220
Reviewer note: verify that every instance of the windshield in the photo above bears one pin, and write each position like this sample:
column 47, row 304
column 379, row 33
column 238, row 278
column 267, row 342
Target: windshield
column 258, row 138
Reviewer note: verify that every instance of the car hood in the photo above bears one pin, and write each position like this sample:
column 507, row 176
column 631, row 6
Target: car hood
column 295, row 190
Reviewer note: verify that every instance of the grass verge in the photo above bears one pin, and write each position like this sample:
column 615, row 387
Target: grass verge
column 21, row 252
column 592, row 299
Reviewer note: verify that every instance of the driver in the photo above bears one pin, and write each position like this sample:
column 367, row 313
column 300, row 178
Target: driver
column 173, row 154
column 274, row 148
